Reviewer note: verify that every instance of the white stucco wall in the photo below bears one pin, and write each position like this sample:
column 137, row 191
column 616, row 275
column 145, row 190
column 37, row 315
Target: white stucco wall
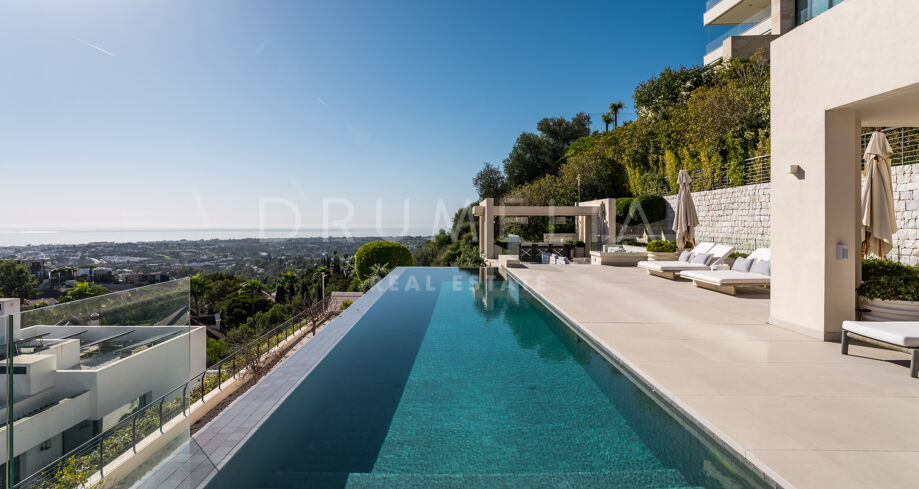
column 855, row 65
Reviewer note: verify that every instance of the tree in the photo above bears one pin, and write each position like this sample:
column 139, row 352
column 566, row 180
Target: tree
column 490, row 182
column 83, row 290
column 607, row 119
column 286, row 287
column 388, row 254
column 197, row 287
column 16, row 281
column 614, row 109
column 536, row 155
column 252, row 289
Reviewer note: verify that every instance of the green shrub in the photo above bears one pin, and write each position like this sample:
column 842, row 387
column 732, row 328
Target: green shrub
column 346, row 304
column 631, row 242
column 655, row 208
column 889, row 280
column 386, row 253
column 735, row 254
column 661, row 246
column 622, row 208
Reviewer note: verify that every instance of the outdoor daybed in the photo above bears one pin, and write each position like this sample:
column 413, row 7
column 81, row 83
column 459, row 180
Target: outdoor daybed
column 752, row 271
column 695, row 260
column 895, row 335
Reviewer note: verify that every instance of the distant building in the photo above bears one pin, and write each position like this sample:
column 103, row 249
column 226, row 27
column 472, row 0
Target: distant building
column 72, row 382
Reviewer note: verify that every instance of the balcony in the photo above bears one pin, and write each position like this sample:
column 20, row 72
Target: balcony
column 732, row 12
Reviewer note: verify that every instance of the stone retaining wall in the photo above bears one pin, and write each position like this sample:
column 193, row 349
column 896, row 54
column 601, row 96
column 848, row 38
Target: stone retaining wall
column 906, row 195
column 738, row 216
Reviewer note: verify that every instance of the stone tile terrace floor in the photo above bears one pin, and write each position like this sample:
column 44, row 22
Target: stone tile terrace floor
column 802, row 412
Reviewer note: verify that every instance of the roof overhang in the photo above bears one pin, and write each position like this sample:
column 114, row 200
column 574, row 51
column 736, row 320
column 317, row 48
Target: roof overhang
column 538, row 211
column 733, row 12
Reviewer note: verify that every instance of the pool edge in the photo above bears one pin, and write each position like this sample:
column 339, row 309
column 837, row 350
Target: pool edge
column 663, row 397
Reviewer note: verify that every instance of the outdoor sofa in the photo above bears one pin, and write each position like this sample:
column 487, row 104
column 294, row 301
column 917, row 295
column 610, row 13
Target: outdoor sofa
column 895, row 335
column 752, row 271
column 702, row 257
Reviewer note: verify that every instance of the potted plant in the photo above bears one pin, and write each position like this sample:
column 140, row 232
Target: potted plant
column 889, row 291
column 660, row 250
column 578, row 248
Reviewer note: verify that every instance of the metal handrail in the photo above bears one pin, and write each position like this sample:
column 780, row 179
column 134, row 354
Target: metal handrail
column 311, row 316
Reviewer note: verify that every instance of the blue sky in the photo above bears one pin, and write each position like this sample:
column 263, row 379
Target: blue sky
column 177, row 114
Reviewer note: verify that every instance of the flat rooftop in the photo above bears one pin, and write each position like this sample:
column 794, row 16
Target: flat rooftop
column 799, row 410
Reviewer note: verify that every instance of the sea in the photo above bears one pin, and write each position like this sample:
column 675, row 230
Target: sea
column 35, row 237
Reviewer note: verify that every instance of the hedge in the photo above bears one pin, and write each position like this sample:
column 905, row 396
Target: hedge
column 654, row 207
column 622, row 208
column 387, row 253
column 661, row 246
column 888, row 280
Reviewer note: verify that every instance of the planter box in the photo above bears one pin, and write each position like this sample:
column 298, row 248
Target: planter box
column 881, row 310
column 579, row 251
column 616, row 259
column 657, row 256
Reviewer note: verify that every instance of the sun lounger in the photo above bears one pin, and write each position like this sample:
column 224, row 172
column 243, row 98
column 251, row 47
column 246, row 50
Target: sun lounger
column 670, row 269
column 895, row 335
column 754, row 274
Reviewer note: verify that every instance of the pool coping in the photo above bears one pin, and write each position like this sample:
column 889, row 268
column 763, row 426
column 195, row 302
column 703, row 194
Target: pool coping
column 674, row 406
column 224, row 435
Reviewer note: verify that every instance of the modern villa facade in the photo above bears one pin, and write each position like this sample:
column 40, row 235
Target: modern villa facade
column 756, row 23
column 74, row 378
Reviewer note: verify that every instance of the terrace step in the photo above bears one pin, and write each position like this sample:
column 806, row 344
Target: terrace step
column 648, row 479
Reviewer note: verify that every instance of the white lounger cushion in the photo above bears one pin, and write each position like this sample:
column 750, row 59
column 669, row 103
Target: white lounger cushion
column 901, row 333
column 726, row 277
column 719, row 252
column 671, row 266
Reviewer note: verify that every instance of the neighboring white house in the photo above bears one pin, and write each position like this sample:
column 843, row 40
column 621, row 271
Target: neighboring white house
column 72, row 382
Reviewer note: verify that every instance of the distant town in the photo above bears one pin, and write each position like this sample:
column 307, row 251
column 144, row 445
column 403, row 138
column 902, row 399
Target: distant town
column 119, row 266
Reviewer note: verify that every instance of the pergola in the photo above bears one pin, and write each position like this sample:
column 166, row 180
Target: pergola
column 487, row 211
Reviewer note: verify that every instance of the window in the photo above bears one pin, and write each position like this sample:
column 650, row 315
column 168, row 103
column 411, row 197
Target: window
column 808, row 9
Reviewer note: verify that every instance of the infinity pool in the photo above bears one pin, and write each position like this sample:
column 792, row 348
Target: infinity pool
column 457, row 379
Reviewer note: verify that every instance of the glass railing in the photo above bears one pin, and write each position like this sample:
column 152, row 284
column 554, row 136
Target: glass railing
column 711, row 3
column 105, row 453
column 740, row 29
column 86, row 378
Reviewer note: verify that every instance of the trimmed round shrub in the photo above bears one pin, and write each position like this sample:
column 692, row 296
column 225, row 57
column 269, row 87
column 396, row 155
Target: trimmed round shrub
column 655, row 208
column 661, row 246
column 622, row 208
column 387, row 253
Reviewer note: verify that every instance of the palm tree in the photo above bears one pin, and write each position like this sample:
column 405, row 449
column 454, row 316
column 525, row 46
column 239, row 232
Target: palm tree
column 287, row 282
column 196, row 289
column 607, row 119
column 252, row 288
column 614, row 109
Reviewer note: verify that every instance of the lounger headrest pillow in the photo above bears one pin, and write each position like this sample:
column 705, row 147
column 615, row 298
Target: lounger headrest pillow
column 762, row 267
column 684, row 256
column 702, row 258
column 742, row 264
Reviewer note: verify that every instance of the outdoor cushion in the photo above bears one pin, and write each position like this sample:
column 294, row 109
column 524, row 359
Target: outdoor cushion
column 726, row 277
column 742, row 264
column 684, row 256
column 702, row 258
column 901, row 333
column 670, row 266
column 762, row 267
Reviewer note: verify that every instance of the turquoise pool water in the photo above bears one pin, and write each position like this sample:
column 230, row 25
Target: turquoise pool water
column 456, row 379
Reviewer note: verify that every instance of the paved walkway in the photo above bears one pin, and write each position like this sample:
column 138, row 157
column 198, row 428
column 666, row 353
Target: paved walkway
column 803, row 413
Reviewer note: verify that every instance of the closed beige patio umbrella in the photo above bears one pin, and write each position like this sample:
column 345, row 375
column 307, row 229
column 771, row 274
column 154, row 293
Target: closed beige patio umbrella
column 879, row 221
column 685, row 218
